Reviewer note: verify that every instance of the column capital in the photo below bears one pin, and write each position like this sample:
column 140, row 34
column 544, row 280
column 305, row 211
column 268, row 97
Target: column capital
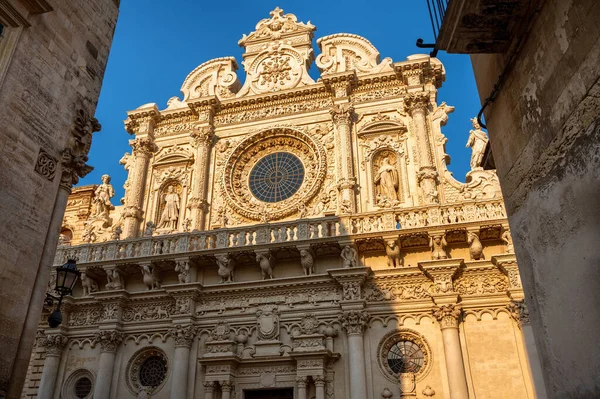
column 354, row 322
column 416, row 102
column 226, row 386
column 54, row 343
column 319, row 380
column 447, row 315
column 342, row 113
column 202, row 135
column 209, row 386
column 301, row 382
column 519, row 312
column 109, row 340
column 183, row 334
column 143, row 146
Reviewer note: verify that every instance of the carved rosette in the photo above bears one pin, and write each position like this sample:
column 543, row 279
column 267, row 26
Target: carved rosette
column 221, row 332
column 54, row 343
column 183, row 335
column 274, row 139
column 447, row 315
column 309, row 324
column 109, row 340
column 354, row 321
column 519, row 312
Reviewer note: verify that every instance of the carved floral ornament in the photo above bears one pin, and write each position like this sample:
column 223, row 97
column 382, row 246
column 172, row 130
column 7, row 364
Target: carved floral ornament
column 234, row 183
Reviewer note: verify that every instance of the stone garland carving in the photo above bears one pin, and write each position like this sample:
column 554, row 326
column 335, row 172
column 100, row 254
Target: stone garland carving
column 75, row 156
column 151, row 311
column 176, row 126
column 221, row 332
column 349, row 257
column 183, row 334
column 110, row 311
column 481, row 284
column 109, row 340
column 519, row 312
column 377, row 291
column 45, row 165
column 254, row 371
column 354, row 321
column 392, row 250
column 372, row 94
column 278, row 138
column 54, row 343
column 447, row 315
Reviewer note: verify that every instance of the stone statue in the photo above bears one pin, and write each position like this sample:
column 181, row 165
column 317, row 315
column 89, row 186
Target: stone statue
column 150, row 276
column 307, row 261
column 88, row 284
column 183, row 268
column 89, row 236
column 475, row 247
column 506, row 237
column 63, row 239
column 478, row 140
column 187, row 223
column 266, row 263
column 386, row 180
column 170, row 214
column 438, row 247
column 150, row 227
column 116, row 233
column 104, row 192
column 226, row 268
column 392, row 250
column 349, row 256
column 115, row 281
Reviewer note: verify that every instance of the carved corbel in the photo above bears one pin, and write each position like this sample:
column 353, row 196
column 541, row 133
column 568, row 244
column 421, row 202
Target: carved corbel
column 442, row 272
column 351, row 281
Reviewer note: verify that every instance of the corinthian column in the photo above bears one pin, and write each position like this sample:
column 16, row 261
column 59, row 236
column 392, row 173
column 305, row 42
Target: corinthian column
column 143, row 148
column 448, row 316
column 54, row 344
column 342, row 115
column 301, row 386
column 109, row 341
column 354, row 323
column 202, row 140
column 183, row 336
column 320, row 386
column 416, row 104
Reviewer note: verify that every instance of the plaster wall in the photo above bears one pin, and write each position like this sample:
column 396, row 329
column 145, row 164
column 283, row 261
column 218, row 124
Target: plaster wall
column 56, row 67
column 545, row 129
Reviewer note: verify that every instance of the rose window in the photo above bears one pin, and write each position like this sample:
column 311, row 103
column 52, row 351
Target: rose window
column 276, row 177
column 405, row 357
column 153, row 371
column 83, row 387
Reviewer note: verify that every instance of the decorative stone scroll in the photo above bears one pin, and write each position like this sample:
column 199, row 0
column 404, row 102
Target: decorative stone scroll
column 345, row 52
column 216, row 77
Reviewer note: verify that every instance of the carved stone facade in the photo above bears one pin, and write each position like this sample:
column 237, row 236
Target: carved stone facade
column 279, row 234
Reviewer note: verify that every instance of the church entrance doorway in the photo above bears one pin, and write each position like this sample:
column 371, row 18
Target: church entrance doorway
column 285, row 393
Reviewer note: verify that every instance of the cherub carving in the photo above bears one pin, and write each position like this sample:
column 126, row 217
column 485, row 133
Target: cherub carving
column 392, row 250
column 307, row 261
column 226, row 268
column 349, row 257
column 266, row 263
column 438, row 247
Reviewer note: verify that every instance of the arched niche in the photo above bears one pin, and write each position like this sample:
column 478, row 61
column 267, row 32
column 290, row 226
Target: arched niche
column 386, row 169
column 170, row 195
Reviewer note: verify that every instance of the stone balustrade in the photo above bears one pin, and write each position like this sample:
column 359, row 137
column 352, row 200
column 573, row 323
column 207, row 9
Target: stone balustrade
column 301, row 230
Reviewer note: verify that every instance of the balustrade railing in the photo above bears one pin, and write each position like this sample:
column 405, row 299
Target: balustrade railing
column 284, row 232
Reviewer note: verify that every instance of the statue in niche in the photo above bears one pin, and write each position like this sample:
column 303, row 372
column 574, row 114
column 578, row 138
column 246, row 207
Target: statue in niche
column 437, row 245
column 102, row 195
column 114, row 280
column 170, row 213
column 478, row 140
column 387, row 180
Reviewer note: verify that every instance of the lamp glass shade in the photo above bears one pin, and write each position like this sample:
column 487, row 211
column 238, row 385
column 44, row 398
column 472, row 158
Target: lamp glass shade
column 66, row 277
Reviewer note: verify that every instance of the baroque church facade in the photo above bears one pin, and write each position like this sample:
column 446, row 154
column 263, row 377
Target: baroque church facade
column 291, row 238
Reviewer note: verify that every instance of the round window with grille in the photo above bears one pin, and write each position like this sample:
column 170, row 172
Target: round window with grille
column 79, row 385
column 153, row 371
column 83, row 387
column 148, row 370
column 404, row 351
column 276, row 177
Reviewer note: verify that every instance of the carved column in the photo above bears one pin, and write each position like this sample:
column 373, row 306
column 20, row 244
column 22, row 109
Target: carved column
column 109, row 341
column 342, row 115
column 301, row 386
column 209, row 389
column 143, row 148
column 416, row 104
column 448, row 316
column 183, row 336
column 226, row 389
column 54, row 344
column 202, row 140
column 354, row 323
column 320, row 386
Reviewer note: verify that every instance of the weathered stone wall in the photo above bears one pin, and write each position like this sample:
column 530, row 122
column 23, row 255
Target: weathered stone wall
column 57, row 67
column 545, row 129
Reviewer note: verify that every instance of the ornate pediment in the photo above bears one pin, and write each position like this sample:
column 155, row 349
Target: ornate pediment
column 279, row 26
column 344, row 52
column 216, row 77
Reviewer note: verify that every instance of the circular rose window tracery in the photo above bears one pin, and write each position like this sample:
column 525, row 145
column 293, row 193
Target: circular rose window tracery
column 254, row 159
column 147, row 369
column 404, row 351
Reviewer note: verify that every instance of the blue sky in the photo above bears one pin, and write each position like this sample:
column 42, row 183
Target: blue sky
column 158, row 43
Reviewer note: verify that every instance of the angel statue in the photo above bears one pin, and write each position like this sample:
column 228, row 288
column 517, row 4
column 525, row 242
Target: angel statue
column 478, row 140
column 170, row 214
column 386, row 180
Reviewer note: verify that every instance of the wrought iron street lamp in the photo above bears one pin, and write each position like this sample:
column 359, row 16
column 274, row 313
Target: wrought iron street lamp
column 66, row 277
